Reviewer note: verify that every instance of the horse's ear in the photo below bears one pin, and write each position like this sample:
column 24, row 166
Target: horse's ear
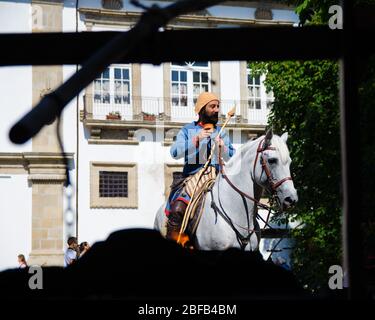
column 284, row 136
column 267, row 139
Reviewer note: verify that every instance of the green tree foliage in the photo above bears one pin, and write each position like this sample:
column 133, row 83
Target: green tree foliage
column 307, row 106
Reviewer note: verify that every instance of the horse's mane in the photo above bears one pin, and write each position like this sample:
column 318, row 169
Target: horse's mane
column 281, row 146
column 241, row 151
column 276, row 142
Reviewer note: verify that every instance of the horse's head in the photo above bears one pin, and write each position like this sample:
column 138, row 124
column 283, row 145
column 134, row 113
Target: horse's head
column 272, row 169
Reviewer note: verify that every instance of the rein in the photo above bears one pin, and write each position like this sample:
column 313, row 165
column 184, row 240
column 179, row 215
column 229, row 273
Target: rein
column 243, row 241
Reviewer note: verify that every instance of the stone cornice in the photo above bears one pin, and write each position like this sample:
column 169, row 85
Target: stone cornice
column 112, row 141
column 29, row 162
column 174, row 165
column 272, row 4
column 129, row 18
column 98, row 128
column 39, row 157
column 124, row 124
column 111, row 164
column 50, row 2
column 46, row 178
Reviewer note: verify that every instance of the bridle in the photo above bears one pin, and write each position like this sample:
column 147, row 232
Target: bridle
column 243, row 241
column 272, row 183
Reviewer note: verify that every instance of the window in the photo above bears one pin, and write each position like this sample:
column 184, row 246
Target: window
column 171, row 170
column 122, row 85
column 191, row 64
column 200, row 83
column 113, row 86
column 259, row 101
column 270, row 100
column 188, row 80
column 258, row 98
column 179, row 88
column 253, row 86
column 113, row 185
column 101, row 88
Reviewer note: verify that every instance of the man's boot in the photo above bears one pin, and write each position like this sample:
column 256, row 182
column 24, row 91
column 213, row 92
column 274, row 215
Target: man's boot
column 174, row 223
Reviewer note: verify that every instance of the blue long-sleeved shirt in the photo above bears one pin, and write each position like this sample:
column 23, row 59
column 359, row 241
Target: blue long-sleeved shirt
column 195, row 157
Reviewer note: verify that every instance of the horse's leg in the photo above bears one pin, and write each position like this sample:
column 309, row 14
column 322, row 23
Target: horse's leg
column 254, row 242
column 160, row 222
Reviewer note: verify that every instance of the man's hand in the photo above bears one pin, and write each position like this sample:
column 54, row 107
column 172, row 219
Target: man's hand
column 204, row 134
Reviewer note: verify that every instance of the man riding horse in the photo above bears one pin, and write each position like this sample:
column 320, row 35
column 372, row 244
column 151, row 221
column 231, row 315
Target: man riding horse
column 193, row 142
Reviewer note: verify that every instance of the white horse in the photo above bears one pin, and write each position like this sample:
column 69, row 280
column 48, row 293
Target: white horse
column 229, row 215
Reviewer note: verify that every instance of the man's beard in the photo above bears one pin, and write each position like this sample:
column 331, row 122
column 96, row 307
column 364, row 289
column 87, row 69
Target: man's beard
column 210, row 119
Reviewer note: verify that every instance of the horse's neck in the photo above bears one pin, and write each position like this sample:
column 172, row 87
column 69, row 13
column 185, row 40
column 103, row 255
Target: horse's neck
column 239, row 168
column 238, row 171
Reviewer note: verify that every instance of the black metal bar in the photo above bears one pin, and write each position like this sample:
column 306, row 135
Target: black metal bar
column 350, row 149
column 275, row 233
column 265, row 43
column 272, row 42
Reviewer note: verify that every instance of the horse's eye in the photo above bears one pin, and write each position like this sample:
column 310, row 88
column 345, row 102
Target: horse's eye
column 272, row 161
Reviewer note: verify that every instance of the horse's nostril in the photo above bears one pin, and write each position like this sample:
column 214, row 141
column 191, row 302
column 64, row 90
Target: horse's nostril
column 290, row 200
column 288, row 203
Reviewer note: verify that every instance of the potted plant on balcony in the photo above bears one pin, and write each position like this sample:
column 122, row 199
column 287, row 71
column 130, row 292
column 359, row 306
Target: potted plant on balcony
column 114, row 115
column 148, row 116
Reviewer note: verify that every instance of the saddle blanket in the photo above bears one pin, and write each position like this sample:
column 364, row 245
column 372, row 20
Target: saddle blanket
column 183, row 187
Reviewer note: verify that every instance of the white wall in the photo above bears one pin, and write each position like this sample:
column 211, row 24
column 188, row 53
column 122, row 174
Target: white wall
column 69, row 17
column 97, row 224
column 230, row 80
column 15, row 219
column 15, row 102
column 152, row 80
column 285, row 15
column 15, row 82
column 70, row 116
column 90, row 3
column 70, row 134
column 15, row 16
column 230, row 12
column 126, row 7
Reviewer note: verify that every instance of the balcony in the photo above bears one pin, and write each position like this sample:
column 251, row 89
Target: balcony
column 117, row 121
column 152, row 109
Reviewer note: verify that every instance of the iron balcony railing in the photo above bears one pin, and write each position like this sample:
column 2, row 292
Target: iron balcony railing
column 132, row 108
